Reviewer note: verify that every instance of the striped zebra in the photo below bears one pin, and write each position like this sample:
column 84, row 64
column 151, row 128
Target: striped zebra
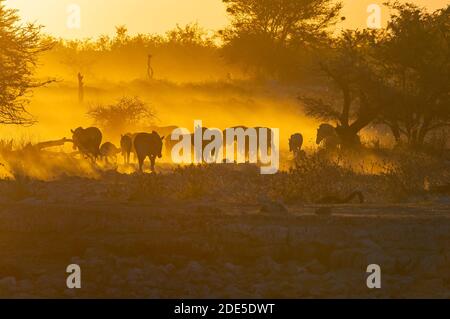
column 295, row 144
column 328, row 137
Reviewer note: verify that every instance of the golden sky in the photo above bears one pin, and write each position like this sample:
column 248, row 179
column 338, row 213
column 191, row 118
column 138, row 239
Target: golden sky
column 155, row 16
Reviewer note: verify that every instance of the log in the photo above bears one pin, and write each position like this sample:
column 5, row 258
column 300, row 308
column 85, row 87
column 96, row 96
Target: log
column 48, row 144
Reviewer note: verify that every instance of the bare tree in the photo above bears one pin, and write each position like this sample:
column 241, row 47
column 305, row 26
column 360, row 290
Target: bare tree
column 80, row 87
column 150, row 71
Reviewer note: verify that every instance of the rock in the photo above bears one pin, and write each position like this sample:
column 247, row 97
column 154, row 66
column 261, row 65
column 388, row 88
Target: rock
column 337, row 287
column 24, row 285
column 386, row 262
column 345, row 258
column 315, row 267
column 361, row 233
column 268, row 264
column 231, row 291
column 194, row 267
column 370, row 245
column 324, row 211
column 8, row 283
column 92, row 252
column 271, row 207
column 76, row 260
column 443, row 200
column 71, row 293
column 430, row 266
column 205, row 210
column 49, row 293
column 272, row 235
column 168, row 268
column 112, row 292
column 33, row 201
column 134, row 274
column 403, row 263
column 153, row 293
column 232, row 267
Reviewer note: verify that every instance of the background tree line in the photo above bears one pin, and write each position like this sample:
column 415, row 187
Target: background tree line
column 397, row 76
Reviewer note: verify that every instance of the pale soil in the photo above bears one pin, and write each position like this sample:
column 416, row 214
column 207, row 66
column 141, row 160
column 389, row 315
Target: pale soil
column 211, row 248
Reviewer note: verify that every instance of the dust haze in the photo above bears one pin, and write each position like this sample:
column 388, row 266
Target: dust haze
column 364, row 154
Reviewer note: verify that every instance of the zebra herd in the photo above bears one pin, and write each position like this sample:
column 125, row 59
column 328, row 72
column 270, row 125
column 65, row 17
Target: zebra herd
column 89, row 143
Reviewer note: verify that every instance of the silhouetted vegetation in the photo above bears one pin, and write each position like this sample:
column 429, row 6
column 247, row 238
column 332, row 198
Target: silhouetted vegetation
column 397, row 76
column 345, row 195
column 175, row 56
column 275, row 38
column 19, row 48
column 413, row 60
column 355, row 98
column 127, row 112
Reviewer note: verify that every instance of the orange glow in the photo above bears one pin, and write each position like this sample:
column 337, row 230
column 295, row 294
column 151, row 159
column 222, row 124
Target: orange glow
column 157, row 16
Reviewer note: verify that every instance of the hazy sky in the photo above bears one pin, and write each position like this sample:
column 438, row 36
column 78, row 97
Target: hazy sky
column 155, row 16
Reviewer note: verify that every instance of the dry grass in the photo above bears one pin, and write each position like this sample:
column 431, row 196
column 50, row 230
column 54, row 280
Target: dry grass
column 383, row 177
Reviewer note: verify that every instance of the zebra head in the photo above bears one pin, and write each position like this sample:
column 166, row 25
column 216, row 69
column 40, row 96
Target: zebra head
column 325, row 131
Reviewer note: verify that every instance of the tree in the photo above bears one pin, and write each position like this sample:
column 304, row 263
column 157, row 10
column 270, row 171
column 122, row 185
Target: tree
column 126, row 114
column 189, row 35
column 414, row 59
column 398, row 76
column 270, row 35
column 356, row 94
column 20, row 46
column 121, row 35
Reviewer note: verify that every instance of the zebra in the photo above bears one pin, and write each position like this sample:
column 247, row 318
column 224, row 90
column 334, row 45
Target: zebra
column 328, row 137
column 295, row 144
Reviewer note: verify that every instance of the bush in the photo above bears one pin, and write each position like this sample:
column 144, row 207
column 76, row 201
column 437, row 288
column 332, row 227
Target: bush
column 127, row 112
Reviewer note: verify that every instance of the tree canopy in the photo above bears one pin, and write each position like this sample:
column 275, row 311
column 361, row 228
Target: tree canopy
column 19, row 48
column 270, row 35
column 126, row 112
column 414, row 60
column 398, row 76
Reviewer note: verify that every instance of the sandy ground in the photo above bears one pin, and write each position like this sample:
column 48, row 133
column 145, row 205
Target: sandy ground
column 204, row 248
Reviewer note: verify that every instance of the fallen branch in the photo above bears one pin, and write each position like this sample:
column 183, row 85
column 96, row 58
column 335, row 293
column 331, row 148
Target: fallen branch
column 48, row 144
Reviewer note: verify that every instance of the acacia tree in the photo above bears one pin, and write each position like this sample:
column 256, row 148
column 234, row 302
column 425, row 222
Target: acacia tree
column 20, row 46
column 414, row 59
column 270, row 35
column 398, row 76
column 356, row 95
column 189, row 35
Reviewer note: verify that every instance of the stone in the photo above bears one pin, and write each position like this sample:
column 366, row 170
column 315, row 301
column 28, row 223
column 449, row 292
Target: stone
column 316, row 268
column 324, row 211
column 8, row 283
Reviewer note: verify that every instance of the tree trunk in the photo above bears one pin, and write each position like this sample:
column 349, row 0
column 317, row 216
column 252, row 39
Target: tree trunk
column 80, row 88
column 423, row 131
column 348, row 136
column 346, row 108
column 395, row 129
